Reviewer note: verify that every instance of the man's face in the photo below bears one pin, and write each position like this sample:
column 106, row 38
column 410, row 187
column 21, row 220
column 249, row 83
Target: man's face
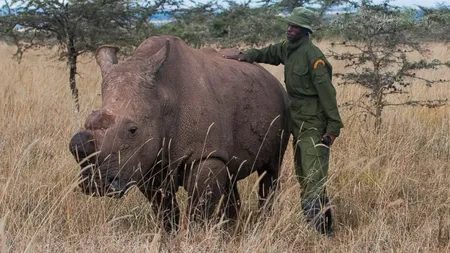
column 294, row 33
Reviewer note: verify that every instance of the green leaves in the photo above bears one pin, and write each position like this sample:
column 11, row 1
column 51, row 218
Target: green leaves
column 436, row 23
column 237, row 25
column 250, row 26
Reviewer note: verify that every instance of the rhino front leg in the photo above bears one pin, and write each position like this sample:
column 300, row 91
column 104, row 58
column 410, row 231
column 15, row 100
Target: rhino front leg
column 206, row 186
column 165, row 207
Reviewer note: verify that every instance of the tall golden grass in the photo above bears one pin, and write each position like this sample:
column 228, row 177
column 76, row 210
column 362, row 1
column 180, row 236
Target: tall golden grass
column 390, row 193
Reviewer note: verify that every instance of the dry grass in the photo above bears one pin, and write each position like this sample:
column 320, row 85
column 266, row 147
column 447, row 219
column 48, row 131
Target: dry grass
column 390, row 193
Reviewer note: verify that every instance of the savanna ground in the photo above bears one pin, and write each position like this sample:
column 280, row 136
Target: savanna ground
column 390, row 192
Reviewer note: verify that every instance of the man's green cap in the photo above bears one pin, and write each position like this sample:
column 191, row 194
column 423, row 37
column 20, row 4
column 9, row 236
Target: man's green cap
column 301, row 16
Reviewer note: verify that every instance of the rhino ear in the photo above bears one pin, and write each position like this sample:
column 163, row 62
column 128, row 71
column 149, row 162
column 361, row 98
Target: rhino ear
column 106, row 57
column 157, row 60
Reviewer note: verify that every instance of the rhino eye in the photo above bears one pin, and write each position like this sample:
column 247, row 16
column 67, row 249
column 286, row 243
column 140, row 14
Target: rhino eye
column 132, row 130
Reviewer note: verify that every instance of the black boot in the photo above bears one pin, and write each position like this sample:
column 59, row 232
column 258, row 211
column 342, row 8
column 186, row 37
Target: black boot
column 328, row 220
column 318, row 215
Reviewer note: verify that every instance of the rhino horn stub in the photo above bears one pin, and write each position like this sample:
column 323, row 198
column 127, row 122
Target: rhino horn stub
column 99, row 120
column 157, row 60
column 106, row 57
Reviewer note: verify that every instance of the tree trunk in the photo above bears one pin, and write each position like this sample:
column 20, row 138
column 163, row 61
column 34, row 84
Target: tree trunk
column 378, row 110
column 73, row 54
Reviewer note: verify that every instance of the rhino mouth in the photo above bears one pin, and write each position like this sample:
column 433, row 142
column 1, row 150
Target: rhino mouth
column 110, row 186
column 115, row 189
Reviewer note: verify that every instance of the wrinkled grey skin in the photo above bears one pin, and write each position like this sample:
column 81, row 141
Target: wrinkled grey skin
column 173, row 116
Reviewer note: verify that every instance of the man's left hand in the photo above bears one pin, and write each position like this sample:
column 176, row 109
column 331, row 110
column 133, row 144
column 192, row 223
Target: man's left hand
column 330, row 136
column 238, row 57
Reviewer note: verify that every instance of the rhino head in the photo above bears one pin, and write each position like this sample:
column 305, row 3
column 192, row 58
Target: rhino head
column 121, row 141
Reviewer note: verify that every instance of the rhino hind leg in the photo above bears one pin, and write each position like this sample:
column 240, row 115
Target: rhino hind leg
column 206, row 184
column 267, row 185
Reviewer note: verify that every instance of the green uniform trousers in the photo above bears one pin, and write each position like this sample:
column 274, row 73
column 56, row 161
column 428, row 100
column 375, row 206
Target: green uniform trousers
column 311, row 163
column 311, row 156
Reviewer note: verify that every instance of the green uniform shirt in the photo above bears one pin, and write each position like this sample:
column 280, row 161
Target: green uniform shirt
column 307, row 76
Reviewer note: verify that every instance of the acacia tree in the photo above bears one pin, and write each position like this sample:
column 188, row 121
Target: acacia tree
column 76, row 26
column 192, row 24
column 241, row 24
column 380, row 37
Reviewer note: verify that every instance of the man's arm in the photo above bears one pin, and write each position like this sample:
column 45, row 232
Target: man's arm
column 271, row 54
column 321, row 78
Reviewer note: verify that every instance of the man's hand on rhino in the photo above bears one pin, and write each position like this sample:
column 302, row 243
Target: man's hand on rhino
column 238, row 57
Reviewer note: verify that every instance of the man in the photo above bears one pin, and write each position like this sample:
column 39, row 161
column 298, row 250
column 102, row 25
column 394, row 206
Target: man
column 314, row 115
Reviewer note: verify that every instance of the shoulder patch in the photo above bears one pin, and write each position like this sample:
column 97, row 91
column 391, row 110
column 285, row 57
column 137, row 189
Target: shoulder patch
column 316, row 64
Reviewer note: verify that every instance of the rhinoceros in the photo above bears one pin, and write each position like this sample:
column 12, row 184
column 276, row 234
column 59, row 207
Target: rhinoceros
column 174, row 116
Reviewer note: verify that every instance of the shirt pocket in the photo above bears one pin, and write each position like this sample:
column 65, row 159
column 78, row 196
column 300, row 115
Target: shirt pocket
column 301, row 79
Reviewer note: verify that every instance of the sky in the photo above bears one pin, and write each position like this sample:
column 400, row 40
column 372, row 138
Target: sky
column 407, row 3
column 412, row 3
